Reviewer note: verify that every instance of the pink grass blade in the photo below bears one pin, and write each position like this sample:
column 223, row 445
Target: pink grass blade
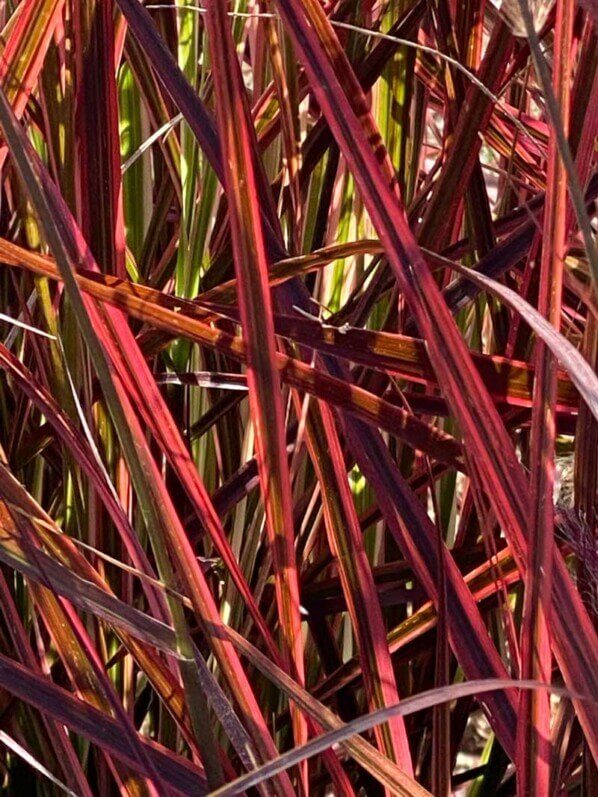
column 265, row 399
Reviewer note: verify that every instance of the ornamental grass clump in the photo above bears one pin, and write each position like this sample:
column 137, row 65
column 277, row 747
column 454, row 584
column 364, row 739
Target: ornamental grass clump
column 298, row 304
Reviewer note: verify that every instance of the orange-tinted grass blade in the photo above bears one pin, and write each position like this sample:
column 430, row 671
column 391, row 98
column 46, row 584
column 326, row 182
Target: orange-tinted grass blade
column 507, row 380
column 132, row 299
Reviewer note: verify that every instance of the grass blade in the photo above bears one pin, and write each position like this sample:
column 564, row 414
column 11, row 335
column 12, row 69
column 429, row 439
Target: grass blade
column 265, row 398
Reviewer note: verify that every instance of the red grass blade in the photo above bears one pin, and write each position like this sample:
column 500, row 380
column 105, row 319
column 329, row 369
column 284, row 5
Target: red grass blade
column 24, row 52
column 265, row 399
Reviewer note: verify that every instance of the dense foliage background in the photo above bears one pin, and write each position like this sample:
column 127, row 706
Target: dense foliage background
column 298, row 397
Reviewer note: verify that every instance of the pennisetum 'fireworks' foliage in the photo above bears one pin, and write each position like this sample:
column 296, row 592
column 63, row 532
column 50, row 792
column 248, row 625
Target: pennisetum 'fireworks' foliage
column 298, row 397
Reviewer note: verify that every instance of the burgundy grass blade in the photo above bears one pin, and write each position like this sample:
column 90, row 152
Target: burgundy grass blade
column 37, row 691
column 102, row 221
